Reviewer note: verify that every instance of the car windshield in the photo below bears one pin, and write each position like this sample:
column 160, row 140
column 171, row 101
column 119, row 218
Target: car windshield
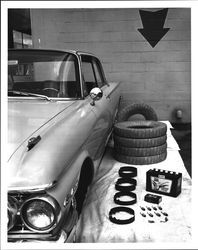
column 43, row 74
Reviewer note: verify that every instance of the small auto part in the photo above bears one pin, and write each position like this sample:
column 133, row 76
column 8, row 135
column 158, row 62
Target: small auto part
column 164, row 213
column 125, row 184
column 164, row 182
column 151, row 221
column 158, row 214
column 165, row 220
column 113, row 213
column 128, row 171
column 153, row 198
column 119, row 201
column 143, row 208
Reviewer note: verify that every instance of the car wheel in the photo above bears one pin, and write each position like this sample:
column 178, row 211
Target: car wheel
column 140, row 160
column 140, row 129
column 140, row 151
column 137, row 108
column 139, row 143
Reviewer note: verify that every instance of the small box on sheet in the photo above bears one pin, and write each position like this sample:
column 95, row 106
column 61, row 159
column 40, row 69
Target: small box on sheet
column 163, row 182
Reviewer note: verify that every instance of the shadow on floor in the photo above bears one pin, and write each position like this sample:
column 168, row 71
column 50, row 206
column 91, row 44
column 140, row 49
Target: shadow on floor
column 182, row 134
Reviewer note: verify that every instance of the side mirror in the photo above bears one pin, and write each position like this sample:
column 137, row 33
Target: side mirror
column 95, row 94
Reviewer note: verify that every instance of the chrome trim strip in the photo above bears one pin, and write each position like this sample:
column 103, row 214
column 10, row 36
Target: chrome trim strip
column 31, row 189
column 112, row 91
column 80, row 75
column 38, row 237
column 44, row 50
column 78, row 52
column 36, row 98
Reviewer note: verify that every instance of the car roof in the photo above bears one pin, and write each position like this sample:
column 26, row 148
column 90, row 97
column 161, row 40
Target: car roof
column 77, row 52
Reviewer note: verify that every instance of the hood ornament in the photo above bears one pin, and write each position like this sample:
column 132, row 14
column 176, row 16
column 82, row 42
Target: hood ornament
column 33, row 141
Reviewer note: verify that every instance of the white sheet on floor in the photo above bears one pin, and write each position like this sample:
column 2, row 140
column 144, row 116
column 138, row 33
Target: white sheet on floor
column 94, row 224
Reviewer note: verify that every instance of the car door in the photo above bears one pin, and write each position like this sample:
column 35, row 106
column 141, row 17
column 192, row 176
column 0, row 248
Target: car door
column 111, row 90
column 103, row 115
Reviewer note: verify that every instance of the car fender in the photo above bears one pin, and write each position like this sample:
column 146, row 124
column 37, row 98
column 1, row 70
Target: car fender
column 65, row 188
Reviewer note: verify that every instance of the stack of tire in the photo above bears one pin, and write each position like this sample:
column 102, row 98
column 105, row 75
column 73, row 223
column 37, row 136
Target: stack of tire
column 140, row 142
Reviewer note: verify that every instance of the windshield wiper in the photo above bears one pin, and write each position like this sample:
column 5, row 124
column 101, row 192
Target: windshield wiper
column 29, row 94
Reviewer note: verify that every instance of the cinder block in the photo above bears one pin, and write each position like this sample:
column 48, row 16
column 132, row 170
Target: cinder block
column 178, row 24
column 160, row 76
column 128, row 67
column 126, row 76
column 168, row 66
column 166, row 56
column 179, row 13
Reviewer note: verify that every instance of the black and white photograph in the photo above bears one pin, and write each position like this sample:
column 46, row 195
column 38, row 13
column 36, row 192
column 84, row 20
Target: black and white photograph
column 96, row 125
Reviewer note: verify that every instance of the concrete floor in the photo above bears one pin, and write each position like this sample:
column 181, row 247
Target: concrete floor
column 182, row 134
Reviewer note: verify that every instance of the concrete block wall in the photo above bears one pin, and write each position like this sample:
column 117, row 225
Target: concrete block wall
column 159, row 76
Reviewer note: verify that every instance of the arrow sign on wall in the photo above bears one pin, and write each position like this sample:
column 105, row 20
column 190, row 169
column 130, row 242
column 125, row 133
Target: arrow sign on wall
column 153, row 23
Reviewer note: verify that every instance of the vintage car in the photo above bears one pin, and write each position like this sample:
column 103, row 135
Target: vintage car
column 61, row 113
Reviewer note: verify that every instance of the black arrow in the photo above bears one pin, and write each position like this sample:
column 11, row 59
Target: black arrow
column 153, row 23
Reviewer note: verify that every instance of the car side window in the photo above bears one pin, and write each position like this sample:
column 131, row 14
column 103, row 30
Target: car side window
column 92, row 74
column 70, row 87
column 88, row 74
column 98, row 73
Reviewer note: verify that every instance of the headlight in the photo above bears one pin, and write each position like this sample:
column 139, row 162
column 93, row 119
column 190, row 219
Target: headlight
column 40, row 213
column 12, row 211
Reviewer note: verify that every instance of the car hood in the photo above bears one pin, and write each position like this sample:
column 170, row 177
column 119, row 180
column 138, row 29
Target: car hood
column 25, row 118
column 29, row 119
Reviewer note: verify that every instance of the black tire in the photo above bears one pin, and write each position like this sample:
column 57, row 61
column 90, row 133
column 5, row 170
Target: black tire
column 141, row 151
column 139, row 143
column 140, row 160
column 86, row 177
column 137, row 108
column 140, row 129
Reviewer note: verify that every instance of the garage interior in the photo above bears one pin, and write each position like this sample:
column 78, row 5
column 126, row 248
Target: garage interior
column 157, row 72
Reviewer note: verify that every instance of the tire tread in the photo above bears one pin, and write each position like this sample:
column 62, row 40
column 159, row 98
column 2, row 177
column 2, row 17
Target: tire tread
column 140, row 160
